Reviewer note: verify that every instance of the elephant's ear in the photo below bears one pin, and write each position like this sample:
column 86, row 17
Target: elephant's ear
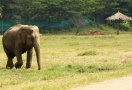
column 23, row 35
column 24, row 32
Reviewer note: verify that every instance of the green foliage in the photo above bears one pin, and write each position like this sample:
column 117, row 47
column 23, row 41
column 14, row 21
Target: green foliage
column 99, row 26
column 44, row 31
column 58, row 10
column 125, row 25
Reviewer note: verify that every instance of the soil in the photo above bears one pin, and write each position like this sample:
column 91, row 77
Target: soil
column 123, row 83
column 97, row 32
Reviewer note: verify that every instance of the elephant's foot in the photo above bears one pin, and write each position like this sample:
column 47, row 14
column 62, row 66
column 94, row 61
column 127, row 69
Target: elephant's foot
column 9, row 65
column 39, row 68
column 18, row 64
column 28, row 65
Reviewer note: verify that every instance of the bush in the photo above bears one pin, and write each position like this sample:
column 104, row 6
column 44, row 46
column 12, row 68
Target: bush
column 44, row 31
column 125, row 25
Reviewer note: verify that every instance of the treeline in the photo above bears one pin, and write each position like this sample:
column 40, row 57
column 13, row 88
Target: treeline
column 58, row 10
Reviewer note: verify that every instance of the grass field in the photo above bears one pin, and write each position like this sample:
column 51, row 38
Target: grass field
column 69, row 61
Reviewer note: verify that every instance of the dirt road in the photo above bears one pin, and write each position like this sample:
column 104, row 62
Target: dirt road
column 123, row 83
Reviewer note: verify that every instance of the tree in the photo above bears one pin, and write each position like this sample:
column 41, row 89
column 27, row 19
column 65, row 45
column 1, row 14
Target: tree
column 78, row 11
column 78, row 21
column 103, row 9
column 54, row 12
column 32, row 10
column 10, row 9
column 58, row 10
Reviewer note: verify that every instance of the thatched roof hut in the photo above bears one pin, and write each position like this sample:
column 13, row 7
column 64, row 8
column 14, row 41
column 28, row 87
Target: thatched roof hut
column 118, row 16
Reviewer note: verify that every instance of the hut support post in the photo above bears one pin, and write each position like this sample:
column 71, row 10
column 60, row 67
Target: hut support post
column 118, row 31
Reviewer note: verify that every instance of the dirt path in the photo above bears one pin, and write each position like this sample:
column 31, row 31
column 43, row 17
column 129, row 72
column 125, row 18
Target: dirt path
column 123, row 83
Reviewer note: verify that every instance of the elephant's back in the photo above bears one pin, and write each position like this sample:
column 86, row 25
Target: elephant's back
column 11, row 31
column 10, row 34
column 9, row 37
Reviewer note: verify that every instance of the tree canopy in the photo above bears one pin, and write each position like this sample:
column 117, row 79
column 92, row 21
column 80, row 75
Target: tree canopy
column 58, row 10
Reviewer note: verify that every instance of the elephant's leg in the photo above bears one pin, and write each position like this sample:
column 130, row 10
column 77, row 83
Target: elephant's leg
column 10, row 58
column 29, row 58
column 19, row 62
column 9, row 63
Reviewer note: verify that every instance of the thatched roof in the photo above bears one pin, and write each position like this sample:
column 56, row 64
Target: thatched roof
column 118, row 16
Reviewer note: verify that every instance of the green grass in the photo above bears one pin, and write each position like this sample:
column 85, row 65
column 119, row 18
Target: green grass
column 69, row 61
column 87, row 53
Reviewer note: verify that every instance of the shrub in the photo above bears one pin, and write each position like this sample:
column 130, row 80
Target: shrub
column 125, row 25
column 44, row 31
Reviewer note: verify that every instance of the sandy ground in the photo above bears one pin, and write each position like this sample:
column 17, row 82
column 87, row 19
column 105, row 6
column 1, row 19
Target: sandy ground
column 123, row 83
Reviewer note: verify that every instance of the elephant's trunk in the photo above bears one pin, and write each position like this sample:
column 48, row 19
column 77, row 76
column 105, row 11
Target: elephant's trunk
column 37, row 50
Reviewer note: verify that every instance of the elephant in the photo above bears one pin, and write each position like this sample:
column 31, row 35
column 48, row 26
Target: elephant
column 18, row 40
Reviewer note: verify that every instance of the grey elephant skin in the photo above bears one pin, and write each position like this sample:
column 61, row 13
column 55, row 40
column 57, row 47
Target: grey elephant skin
column 18, row 40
